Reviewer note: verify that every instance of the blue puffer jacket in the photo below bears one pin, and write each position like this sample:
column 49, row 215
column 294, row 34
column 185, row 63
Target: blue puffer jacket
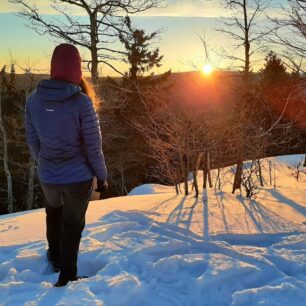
column 63, row 134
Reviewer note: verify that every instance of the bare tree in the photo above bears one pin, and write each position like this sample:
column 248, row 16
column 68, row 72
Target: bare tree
column 223, row 177
column 167, row 134
column 250, row 179
column 4, row 153
column 244, row 29
column 289, row 34
column 290, row 27
column 260, row 175
column 272, row 174
column 157, row 132
column 97, row 32
column 297, row 169
column 32, row 163
column 206, row 171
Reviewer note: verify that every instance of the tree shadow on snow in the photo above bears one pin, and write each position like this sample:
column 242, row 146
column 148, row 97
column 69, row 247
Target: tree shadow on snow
column 176, row 214
column 220, row 200
column 191, row 209
column 205, row 215
column 162, row 204
column 284, row 200
column 264, row 219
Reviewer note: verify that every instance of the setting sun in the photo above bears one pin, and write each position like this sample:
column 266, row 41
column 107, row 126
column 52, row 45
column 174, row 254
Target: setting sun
column 207, row 69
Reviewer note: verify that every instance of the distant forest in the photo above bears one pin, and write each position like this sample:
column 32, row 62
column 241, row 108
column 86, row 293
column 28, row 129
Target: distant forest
column 162, row 128
column 167, row 131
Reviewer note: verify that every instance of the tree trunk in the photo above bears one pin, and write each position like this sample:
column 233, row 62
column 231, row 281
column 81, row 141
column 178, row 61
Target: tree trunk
column 218, row 180
column 183, row 172
column 206, row 171
column 94, row 68
column 246, row 43
column 270, row 172
column 186, row 185
column 195, row 174
column 195, row 183
column 274, row 177
column 94, row 51
column 177, row 189
column 122, row 175
column 238, row 177
column 10, row 199
column 204, row 178
column 30, row 195
column 187, row 161
column 260, row 173
column 304, row 165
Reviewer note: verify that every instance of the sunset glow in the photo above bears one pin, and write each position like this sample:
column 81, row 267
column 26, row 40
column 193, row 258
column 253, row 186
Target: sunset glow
column 207, row 69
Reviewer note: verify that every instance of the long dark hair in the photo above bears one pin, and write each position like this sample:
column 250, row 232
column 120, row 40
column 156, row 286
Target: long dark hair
column 89, row 90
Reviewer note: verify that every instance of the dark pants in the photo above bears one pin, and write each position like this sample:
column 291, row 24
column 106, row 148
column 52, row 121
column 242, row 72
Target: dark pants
column 65, row 208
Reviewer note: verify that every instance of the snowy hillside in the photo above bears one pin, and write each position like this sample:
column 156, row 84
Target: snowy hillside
column 158, row 248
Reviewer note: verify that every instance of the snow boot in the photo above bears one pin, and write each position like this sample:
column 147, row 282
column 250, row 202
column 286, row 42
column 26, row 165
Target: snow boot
column 64, row 281
column 54, row 264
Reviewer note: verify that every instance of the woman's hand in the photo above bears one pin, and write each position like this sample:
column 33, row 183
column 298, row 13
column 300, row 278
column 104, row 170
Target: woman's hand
column 102, row 186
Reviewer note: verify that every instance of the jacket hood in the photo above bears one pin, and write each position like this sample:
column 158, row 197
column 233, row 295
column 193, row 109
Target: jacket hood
column 66, row 64
column 54, row 90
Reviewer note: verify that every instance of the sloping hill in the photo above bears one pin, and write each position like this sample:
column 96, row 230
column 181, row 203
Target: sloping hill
column 163, row 249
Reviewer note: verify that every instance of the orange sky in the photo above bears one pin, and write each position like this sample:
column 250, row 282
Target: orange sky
column 181, row 22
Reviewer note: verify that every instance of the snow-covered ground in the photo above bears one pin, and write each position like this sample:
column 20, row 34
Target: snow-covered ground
column 156, row 248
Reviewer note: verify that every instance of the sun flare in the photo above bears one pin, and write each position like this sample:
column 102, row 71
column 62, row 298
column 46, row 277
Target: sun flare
column 207, row 69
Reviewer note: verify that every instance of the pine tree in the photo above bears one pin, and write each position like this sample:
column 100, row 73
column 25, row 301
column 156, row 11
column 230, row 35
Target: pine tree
column 275, row 109
column 274, row 70
column 139, row 56
column 138, row 93
column 141, row 59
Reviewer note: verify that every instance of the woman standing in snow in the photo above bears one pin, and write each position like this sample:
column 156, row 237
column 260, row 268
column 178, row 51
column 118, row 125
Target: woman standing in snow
column 63, row 134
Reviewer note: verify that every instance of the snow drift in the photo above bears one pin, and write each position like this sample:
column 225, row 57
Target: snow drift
column 163, row 249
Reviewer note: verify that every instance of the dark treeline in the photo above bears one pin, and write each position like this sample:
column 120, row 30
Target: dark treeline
column 148, row 137
column 162, row 128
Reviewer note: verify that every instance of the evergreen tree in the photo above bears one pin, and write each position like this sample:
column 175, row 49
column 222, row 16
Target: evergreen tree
column 141, row 59
column 274, row 70
column 138, row 93
column 275, row 104
column 139, row 56
column 96, row 33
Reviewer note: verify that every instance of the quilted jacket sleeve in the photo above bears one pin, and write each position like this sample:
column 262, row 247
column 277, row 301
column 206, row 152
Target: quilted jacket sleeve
column 92, row 139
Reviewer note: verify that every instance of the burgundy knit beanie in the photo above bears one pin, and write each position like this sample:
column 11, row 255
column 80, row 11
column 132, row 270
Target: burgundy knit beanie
column 66, row 64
